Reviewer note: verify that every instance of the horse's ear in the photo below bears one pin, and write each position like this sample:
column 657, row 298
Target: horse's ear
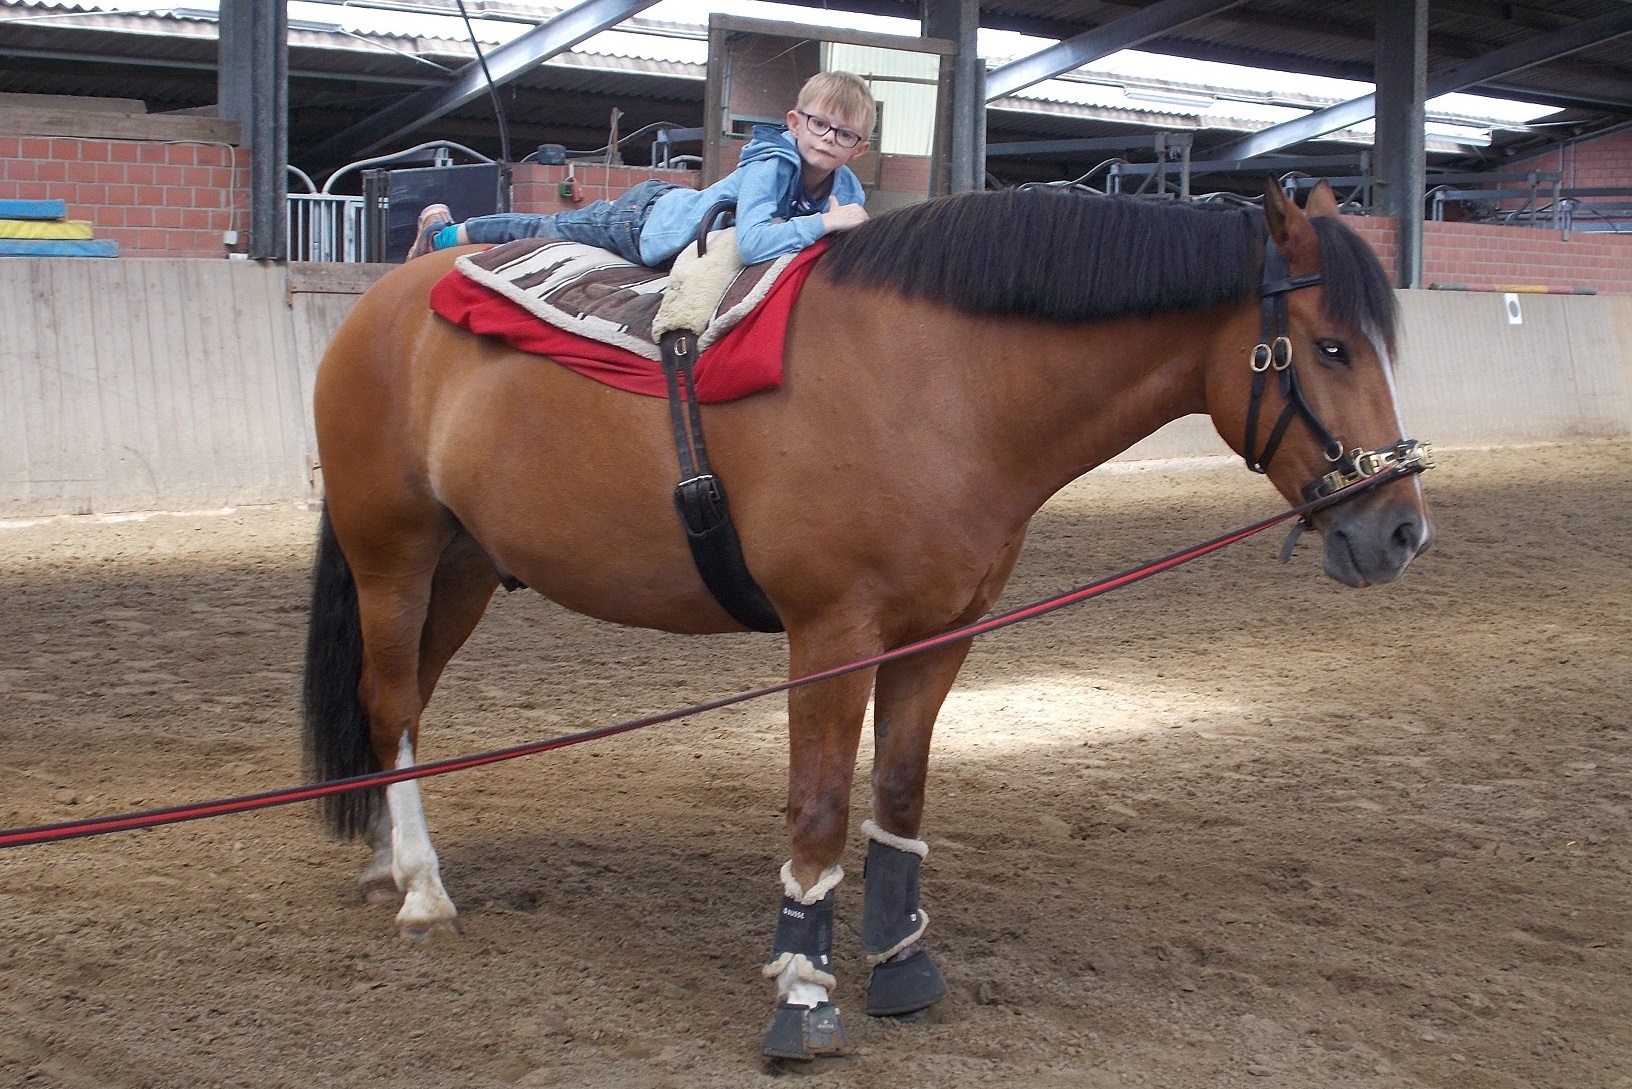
column 1322, row 201
column 1275, row 205
column 1290, row 229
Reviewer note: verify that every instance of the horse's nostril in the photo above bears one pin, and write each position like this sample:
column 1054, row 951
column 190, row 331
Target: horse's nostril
column 1408, row 537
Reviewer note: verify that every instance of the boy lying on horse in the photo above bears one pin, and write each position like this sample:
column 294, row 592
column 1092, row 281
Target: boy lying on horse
column 791, row 187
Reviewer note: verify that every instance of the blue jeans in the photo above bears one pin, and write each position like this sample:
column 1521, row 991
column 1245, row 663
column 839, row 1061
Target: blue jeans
column 610, row 224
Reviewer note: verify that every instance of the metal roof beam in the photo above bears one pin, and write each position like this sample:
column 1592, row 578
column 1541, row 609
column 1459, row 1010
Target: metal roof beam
column 506, row 63
column 1102, row 41
column 1577, row 100
column 1456, row 77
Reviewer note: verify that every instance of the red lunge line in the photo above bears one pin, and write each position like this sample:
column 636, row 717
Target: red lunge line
column 96, row 826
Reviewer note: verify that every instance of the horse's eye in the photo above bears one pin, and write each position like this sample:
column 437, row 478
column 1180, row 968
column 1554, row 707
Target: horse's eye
column 1332, row 351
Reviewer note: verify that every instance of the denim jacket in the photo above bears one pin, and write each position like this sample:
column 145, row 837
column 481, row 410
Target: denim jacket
column 764, row 186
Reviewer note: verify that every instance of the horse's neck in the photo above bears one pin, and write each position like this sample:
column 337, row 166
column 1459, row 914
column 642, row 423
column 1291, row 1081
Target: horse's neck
column 1005, row 408
column 1079, row 395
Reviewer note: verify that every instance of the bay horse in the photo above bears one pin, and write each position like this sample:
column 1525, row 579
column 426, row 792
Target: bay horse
column 948, row 367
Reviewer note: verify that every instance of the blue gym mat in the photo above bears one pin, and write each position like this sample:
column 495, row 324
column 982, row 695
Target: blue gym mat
column 33, row 209
column 58, row 247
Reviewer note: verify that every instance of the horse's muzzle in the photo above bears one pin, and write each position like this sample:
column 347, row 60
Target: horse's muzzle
column 1374, row 539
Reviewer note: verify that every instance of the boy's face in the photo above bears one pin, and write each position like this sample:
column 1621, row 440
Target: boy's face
column 825, row 152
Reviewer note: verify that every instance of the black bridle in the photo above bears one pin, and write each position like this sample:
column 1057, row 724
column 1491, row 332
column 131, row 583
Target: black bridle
column 1274, row 353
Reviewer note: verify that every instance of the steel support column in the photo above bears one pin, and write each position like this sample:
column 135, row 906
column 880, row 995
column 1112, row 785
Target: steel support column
column 269, row 131
column 958, row 20
column 1402, row 96
column 252, row 88
column 235, row 38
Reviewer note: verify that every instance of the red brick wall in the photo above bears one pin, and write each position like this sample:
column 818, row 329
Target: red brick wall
column 154, row 199
column 1379, row 232
column 536, row 188
column 1606, row 161
column 178, row 199
column 1478, row 253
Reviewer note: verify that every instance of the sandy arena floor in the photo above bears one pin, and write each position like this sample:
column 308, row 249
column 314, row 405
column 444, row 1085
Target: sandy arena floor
column 1237, row 826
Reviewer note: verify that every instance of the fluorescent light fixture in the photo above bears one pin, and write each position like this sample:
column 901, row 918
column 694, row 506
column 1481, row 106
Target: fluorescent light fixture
column 1171, row 98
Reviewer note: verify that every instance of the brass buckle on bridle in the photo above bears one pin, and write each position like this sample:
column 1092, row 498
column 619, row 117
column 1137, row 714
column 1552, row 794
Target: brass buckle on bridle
column 1276, row 355
column 1280, row 353
column 1410, row 454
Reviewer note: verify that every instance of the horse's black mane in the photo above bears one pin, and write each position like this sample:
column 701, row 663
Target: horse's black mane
column 1062, row 256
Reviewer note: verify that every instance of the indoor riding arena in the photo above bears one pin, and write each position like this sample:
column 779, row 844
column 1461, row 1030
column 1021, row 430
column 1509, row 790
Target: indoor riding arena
column 1232, row 825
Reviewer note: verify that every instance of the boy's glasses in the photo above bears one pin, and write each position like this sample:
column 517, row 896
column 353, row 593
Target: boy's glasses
column 821, row 126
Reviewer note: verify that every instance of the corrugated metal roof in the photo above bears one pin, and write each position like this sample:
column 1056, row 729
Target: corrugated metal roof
column 349, row 61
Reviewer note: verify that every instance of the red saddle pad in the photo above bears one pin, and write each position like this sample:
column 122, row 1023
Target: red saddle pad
column 745, row 360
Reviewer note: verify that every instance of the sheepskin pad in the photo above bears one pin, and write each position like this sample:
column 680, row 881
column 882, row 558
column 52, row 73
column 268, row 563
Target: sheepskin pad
column 593, row 293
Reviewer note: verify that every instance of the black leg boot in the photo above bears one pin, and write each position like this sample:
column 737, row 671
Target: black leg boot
column 802, row 953
column 905, row 980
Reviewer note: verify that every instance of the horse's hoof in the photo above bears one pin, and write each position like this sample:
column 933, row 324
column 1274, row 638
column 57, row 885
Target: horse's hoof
column 425, row 910
column 426, row 931
column 805, row 1032
column 380, row 891
column 905, row 986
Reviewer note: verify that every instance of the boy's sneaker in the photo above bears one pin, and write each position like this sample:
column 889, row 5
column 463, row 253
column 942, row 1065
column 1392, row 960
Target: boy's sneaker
column 431, row 220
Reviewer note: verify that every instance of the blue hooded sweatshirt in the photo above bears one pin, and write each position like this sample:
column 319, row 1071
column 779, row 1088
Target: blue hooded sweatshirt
column 765, row 186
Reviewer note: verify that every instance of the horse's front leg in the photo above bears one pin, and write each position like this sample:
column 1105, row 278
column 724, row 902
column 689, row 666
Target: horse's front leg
column 904, row 980
column 824, row 727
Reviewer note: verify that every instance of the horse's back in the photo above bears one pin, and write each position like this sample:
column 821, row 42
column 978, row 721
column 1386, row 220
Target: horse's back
column 567, row 483
column 564, row 481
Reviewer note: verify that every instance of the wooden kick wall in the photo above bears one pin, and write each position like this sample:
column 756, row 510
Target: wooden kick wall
column 173, row 384
column 1467, row 376
column 146, row 385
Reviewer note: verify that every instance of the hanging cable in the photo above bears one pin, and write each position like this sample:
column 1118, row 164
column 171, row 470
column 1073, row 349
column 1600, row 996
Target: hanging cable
column 492, row 91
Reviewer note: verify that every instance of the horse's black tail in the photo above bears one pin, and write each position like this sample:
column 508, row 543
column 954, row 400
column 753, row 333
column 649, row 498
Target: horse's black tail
column 336, row 736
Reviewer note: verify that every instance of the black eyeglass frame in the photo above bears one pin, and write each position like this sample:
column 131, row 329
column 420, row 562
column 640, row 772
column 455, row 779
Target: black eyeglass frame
column 821, row 126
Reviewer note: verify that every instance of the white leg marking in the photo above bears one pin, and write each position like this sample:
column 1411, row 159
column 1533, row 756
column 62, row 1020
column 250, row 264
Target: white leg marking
column 377, row 879
column 418, row 874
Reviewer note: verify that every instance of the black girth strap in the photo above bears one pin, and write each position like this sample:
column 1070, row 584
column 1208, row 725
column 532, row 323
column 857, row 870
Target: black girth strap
column 700, row 498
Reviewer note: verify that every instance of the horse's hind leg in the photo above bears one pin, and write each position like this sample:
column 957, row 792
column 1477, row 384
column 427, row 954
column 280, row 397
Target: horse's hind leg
column 419, row 599
column 460, row 590
column 908, row 696
column 463, row 585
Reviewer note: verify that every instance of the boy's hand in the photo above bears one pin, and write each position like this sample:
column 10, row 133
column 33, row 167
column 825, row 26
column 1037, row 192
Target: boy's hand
column 841, row 217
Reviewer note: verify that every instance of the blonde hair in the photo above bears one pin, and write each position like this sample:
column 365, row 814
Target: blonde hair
column 847, row 94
